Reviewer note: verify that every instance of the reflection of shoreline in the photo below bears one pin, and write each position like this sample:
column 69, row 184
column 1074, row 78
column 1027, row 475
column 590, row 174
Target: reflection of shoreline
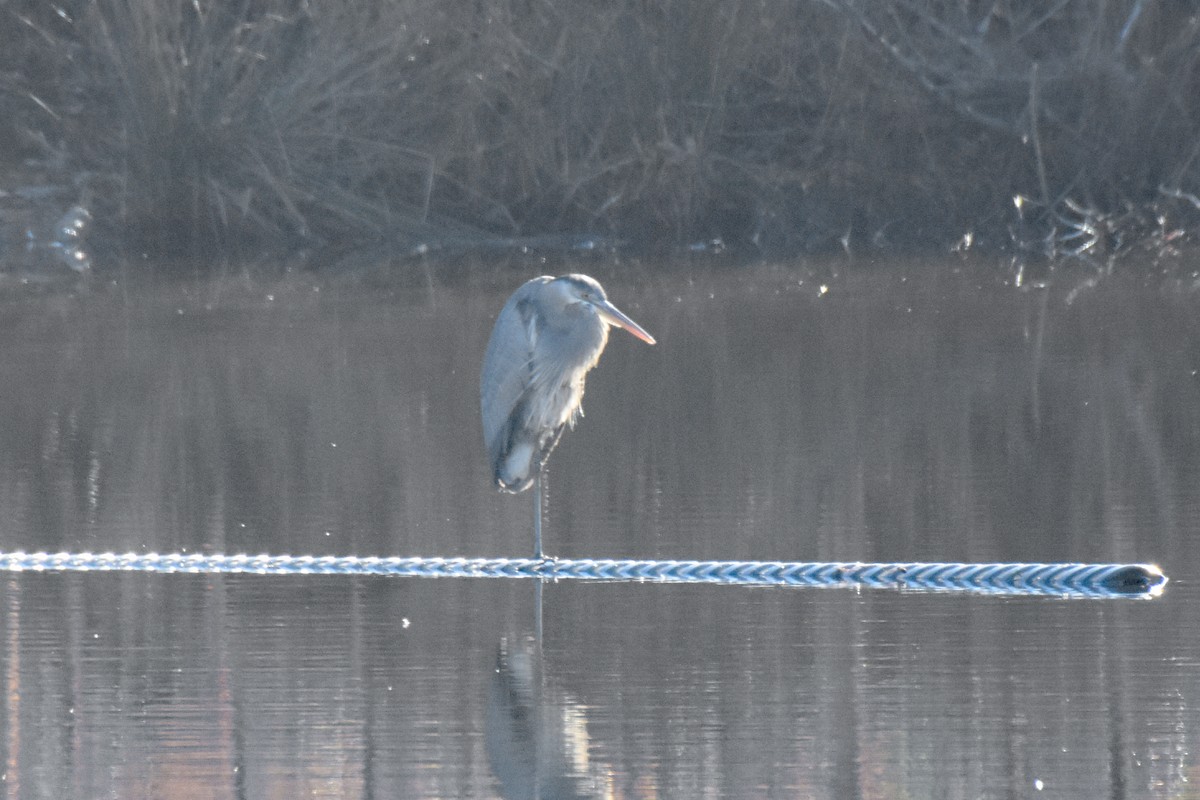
column 536, row 736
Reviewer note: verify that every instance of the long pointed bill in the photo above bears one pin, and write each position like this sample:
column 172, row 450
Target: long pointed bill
column 613, row 316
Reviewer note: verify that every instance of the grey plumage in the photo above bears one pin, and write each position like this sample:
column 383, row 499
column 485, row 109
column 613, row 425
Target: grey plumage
column 546, row 338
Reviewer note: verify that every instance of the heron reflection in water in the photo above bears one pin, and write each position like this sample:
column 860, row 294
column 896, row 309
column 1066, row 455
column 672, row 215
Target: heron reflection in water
column 548, row 335
column 536, row 734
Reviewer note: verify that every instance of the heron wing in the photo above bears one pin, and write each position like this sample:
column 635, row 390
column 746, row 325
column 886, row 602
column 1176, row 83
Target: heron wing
column 508, row 366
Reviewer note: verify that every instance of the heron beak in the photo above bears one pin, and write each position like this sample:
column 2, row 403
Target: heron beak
column 613, row 316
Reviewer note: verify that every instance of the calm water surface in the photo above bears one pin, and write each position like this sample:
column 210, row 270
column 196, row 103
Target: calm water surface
column 911, row 412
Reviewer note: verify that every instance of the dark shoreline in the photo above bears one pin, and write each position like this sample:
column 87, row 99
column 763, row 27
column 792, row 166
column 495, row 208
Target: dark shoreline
column 766, row 131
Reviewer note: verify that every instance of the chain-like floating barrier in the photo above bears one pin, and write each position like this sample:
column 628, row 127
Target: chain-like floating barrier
column 1078, row 580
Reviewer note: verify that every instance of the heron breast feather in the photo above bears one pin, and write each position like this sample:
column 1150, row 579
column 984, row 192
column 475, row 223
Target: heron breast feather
column 551, row 404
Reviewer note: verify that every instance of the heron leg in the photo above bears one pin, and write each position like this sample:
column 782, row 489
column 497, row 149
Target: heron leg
column 537, row 516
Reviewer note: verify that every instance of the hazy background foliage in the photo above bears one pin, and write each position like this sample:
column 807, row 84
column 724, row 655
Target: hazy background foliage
column 777, row 124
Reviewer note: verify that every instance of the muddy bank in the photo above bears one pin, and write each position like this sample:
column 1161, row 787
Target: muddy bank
column 761, row 128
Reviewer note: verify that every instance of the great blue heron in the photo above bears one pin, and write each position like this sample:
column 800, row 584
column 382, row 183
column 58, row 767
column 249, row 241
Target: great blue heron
column 548, row 335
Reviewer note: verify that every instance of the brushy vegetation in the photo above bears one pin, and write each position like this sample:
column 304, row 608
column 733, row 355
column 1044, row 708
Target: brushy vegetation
column 787, row 126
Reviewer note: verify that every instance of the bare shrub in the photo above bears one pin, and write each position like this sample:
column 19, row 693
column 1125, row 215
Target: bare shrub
column 779, row 124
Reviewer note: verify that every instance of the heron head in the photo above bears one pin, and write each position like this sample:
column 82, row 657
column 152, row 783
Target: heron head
column 586, row 290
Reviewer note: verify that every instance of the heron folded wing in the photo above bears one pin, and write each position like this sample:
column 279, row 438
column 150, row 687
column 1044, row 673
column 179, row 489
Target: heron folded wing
column 506, row 367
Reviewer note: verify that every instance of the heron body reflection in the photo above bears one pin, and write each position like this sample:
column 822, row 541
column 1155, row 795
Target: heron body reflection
column 536, row 734
column 547, row 337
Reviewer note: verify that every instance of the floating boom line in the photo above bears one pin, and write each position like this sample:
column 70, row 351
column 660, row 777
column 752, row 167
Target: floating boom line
column 1078, row 580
